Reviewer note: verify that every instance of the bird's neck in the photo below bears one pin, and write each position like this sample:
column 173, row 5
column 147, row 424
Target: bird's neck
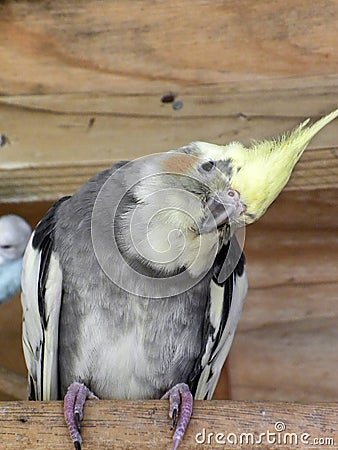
column 162, row 248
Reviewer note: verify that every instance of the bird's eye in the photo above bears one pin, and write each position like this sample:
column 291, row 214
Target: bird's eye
column 233, row 193
column 6, row 247
column 208, row 166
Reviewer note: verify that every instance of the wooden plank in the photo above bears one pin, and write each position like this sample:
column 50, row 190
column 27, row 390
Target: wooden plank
column 144, row 425
column 245, row 70
column 126, row 46
column 52, row 151
column 294, row 243
column 11, row 355
column 285, row 347
column 291, row 304
column 12, row 384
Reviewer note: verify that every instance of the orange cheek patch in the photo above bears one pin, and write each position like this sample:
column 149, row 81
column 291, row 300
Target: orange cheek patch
column 179, row 163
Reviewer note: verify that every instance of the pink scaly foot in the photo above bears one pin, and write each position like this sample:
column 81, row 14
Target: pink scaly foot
column 180, row 410
column 74, row 401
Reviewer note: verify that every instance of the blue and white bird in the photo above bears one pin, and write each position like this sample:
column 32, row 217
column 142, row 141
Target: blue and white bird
column 14, row 236
column 133, row 287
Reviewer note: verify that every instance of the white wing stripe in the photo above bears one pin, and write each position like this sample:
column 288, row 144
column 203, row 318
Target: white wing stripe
column 40, row 344
column 214, row 363
column 53, row 303
column 32, row 334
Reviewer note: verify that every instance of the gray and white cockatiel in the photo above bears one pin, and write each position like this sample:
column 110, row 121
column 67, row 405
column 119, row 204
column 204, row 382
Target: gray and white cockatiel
column 133, row 287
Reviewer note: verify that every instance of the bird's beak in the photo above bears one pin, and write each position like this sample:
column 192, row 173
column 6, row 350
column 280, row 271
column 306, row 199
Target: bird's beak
column 224, row 207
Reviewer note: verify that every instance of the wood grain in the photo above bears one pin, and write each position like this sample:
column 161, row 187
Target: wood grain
column 285, row 347
column 247, row 71
column 12, row 384
column 52, row 151
column 145, row 425
column 81, row 86
column 147, row 46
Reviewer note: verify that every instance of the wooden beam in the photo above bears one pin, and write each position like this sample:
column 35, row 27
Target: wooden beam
column 52, row 150
column 146, row 46
column 145, row 425
column 283, row 346
column 81, row 87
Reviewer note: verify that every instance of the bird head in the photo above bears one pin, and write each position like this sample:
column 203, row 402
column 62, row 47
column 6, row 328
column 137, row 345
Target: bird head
column 14, row 236
column 190, row 189
column 259, row 173
column 177, row 207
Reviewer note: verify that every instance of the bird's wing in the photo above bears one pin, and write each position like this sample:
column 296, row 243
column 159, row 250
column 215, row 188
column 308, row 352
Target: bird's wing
column 223, row 313
column 41, row 302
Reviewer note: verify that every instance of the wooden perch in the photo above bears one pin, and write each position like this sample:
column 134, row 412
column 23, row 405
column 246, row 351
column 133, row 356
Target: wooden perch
column 145, row 425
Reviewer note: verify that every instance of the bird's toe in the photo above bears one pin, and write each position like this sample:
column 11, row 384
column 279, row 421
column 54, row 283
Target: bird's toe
column 180, row 410
column 74, row 401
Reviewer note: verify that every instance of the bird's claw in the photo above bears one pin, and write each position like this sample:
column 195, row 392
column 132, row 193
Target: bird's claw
column 77, row 445
column 74, row 401
column 78, row 419
column 174, row 418
column 180, row 410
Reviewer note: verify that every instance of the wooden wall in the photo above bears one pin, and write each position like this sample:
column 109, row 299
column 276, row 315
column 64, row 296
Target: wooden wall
column 243, row 70
column 81, row 84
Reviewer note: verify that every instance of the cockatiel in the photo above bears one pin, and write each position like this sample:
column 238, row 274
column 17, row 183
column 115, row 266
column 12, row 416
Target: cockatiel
column 14, row 236
column 133, row 287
